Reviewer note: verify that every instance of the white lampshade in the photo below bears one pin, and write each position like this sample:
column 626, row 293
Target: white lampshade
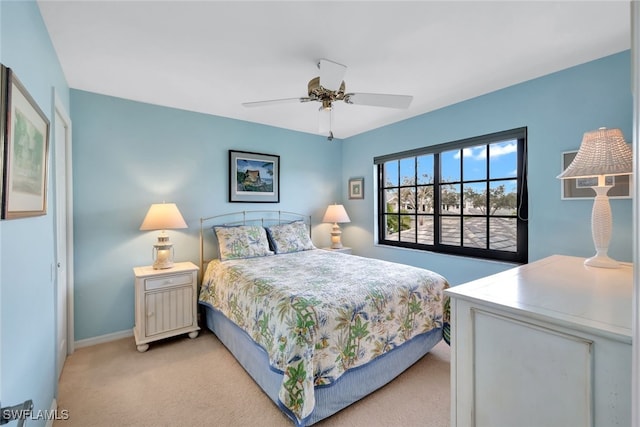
column 163, row 216
column 602, row 152
column 336, row 214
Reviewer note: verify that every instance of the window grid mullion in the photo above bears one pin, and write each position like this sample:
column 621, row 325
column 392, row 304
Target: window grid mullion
column 415, row 198
column 436, row 200
column 399, row 204
column 460, row 216
column 488, row 208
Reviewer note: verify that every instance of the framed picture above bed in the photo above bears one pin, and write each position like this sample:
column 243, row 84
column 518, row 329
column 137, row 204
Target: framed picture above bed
column 254, row 177
column 25, row 138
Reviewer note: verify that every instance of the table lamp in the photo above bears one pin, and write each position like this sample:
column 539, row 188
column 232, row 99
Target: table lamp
column 603, row 152
column 336, row 214
column 163, row 216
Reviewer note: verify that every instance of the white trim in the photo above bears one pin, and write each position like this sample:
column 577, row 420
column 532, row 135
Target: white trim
column 87, row 342
column 52, row 410
column 635, row 89
column 60, row 110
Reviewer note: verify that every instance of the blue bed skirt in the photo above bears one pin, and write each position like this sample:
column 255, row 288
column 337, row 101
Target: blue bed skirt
column 349, row 388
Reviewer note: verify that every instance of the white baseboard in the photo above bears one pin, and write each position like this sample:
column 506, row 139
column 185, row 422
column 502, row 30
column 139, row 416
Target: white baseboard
column 53, row 409
column 104, row 338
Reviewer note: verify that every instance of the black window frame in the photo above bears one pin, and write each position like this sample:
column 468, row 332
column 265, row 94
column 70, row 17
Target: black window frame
column 520, row 255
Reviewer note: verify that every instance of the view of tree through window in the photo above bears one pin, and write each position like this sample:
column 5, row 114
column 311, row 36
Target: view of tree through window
column 465, row 197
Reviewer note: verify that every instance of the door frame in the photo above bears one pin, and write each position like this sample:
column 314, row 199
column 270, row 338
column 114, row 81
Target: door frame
column 635, row 89
column 59, row 108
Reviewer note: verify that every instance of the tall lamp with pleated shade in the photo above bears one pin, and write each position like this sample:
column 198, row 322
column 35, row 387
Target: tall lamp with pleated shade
column 163, row 216
column 603, row 152
column 336, row 214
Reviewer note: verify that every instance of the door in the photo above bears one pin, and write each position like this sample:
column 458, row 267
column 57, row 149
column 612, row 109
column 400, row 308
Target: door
column 64, row 242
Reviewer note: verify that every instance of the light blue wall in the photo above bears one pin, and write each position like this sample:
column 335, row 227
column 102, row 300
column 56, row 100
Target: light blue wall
column 27, row 297
column 128, row 155
column 557, row 109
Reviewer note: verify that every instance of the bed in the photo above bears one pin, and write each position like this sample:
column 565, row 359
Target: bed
column 317, row 330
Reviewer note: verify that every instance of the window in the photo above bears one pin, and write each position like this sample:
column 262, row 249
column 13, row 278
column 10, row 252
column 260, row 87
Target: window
column 465, row 197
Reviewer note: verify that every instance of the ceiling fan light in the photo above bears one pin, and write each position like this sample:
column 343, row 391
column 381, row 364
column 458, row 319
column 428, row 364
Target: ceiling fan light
column 324, row 121
column 326, row 105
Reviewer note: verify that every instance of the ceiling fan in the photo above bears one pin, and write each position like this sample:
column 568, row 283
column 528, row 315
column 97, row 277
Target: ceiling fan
column 329, row 87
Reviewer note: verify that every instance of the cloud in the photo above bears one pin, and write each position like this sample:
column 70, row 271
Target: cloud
column 480, row 153
column 503, row 148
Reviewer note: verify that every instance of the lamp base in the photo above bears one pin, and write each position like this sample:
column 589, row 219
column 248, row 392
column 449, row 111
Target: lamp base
column 336, row 234
column 162, row 253
column 601, row 261
column 601, row 225
column 336, row 245
column 162, row 265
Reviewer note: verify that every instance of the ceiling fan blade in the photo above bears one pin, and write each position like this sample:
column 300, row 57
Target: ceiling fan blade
column 275, row 102
column 331, row 74
column 379, row 100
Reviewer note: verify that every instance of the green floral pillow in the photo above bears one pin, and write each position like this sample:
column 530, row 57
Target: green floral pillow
column 291, row 237
column 244, row 241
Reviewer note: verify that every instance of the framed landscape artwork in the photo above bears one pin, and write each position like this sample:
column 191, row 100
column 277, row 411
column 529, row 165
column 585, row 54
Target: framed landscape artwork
column 356, row 188
column 254, row 177
column 25, row 137
column 580, row 188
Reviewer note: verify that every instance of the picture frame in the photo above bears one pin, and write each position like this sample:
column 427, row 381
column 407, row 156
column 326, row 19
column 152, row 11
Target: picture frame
column 580, row 188
column 356, row 188
column 25, row 135
column 254, row 177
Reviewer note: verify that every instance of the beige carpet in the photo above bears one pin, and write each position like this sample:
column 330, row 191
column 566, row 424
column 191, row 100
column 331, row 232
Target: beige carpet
column 184, row 382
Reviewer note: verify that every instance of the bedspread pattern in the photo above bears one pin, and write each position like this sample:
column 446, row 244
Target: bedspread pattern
column 318, row 313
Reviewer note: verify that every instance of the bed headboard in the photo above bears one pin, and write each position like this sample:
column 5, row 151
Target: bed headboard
column 264, row 218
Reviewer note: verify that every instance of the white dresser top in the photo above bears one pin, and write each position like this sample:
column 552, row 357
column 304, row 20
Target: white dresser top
column 561, row 289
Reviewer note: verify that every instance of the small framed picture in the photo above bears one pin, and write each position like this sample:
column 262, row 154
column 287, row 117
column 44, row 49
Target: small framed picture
column 254, row 177
column 25, row 133
column 580, row 188
column 356, row 188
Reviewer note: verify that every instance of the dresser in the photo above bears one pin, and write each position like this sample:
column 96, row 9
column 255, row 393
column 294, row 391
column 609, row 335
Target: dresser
column 544, row 344
column 165, row 303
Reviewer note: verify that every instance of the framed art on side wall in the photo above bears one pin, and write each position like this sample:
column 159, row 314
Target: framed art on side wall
column 25, row 131
column 254, row 177
column 580, row 188
column 356, row 188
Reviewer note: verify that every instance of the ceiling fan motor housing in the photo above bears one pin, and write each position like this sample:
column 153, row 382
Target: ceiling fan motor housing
column 326, row 96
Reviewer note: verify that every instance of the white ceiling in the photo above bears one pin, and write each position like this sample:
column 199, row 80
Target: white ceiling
column 210, row 56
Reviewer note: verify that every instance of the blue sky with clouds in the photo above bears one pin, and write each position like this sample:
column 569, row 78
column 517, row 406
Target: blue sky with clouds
column 503, row 164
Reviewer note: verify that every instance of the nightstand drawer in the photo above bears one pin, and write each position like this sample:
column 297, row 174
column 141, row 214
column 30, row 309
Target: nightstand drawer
column 168, row 281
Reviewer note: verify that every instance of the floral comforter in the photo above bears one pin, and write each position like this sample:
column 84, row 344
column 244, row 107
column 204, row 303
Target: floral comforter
column 320, row 313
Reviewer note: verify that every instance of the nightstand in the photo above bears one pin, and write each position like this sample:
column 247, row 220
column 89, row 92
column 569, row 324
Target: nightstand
column 165, row 303
column 344, row 250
